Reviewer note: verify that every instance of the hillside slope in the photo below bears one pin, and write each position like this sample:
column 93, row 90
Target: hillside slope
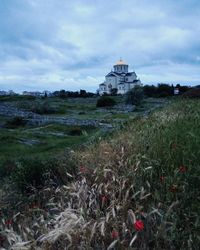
column 139, row 188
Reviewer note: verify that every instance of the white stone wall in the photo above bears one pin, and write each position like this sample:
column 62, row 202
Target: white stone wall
column 121, row 89
column 102, row 89
column 127, row 87
column 111, row 80
column 131, row 78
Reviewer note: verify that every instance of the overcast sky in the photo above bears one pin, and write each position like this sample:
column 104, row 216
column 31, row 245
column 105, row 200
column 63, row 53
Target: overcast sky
column 72, row 44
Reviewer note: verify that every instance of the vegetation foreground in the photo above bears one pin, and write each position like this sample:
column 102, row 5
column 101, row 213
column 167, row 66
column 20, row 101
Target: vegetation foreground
column 137, row 189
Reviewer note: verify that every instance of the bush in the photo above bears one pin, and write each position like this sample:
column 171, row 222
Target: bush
column 150, row 91
column 38, row 171
column 75, row 131
column 15, row 122
column 28, row 172
column 183, row 89
column 105, row 101
column 135, row 96
column 164, row 90
column 192, row 93
column 43, row 108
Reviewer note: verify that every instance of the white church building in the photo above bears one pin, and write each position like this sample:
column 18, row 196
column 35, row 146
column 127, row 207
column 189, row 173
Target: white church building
column 119, row 79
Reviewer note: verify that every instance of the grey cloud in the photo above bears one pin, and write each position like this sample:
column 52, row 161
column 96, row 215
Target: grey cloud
column 73, row 44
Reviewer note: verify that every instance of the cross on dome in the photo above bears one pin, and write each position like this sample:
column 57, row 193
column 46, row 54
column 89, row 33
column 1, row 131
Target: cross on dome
column 121, row 62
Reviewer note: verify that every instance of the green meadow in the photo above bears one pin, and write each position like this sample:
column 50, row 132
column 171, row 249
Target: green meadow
column 134, row 188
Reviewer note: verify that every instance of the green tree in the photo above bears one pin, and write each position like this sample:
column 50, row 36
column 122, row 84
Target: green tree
column 135, row 95
column 150, row 90
column 105, row 101
column 164, row 90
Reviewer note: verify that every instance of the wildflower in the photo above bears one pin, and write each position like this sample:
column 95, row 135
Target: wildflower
column 182, row 169
column 83, row 170
column 162, row 178
column 114, row 234
column 173, row 188
column 34, row 206
column 104, row 198
column 174, row 146
column 8, row 222
column 139, row 225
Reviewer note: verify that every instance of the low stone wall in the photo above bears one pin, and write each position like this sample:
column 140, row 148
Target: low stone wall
column 66, row 121
column 36, row 119
column 11, row 111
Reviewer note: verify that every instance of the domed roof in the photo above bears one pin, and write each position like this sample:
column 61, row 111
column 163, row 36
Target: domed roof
column 121, row 62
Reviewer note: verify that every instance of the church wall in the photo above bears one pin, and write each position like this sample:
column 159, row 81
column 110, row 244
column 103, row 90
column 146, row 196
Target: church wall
column 132, row 77
column 118, row 80
column 111, row 80
column 127, row 86
column 132, row 85
column 121, row 89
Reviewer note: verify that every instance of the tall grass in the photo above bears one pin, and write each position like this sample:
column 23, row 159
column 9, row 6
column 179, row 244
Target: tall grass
column 138, row 189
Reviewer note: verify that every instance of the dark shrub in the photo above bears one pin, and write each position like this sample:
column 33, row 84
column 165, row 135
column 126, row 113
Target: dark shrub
column 38, row 172
column 134, row 96
column 163, row 94
column 150, row 91
column 164, row 90
column 28, row 97
column 192, row 93
column 105, row 101
column 15, row 122
column 83, row 93
column 7, row 166
column 42, row 108
column 182, row 89
column 75, row 131
column 29, row 171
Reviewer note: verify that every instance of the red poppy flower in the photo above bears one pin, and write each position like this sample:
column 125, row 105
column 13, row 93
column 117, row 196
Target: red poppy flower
column 182, row 169
column 162, row 178
column 173, row 189
column 34, row 206
column 114, row 234
column 8, row 222
column 139, row 225
column 174, row 146
column 83, row 170
column 104, row 198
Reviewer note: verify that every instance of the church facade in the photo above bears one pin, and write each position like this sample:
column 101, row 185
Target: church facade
column 119, row 78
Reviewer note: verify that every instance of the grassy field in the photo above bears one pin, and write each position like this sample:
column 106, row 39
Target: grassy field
column 136, row 189
column 48, row 141
column 43, row 142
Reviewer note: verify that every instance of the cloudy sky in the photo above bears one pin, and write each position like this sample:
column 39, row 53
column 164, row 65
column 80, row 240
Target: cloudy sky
column 72, row 44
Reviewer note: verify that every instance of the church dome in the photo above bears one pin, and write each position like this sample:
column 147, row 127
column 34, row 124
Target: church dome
column 121, row 62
